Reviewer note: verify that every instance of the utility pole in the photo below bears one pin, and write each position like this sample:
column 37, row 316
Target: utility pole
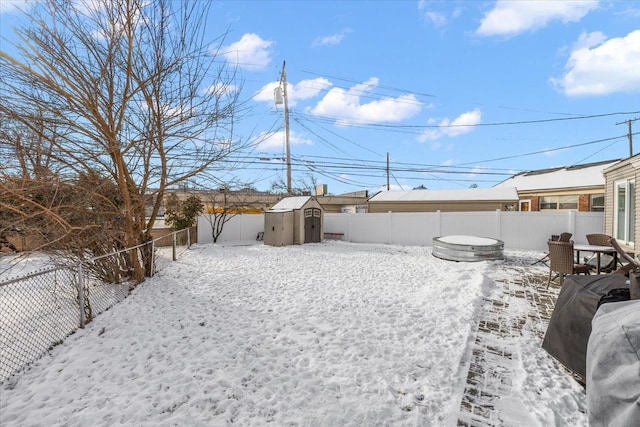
column 629, row 134
column 283, row 82
column 388, row 187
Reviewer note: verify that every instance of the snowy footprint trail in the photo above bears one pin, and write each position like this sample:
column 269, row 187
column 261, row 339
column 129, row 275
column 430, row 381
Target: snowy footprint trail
column 315, row 335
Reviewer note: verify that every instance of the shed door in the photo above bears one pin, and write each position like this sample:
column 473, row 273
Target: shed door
column 312, row 218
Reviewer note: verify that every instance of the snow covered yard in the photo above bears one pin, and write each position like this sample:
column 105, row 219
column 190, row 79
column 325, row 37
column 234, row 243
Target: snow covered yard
column 317, row 335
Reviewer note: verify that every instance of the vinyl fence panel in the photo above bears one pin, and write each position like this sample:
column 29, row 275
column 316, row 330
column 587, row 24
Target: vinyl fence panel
column 518, row 230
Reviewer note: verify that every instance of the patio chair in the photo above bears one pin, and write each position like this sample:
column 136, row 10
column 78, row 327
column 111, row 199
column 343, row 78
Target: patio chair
column 606, row 261
column 632, row 263
column 563, row 237
column 598, row 239
column 561, row 261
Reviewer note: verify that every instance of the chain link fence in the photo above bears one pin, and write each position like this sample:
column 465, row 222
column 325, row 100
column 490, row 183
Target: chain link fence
column 40, row 309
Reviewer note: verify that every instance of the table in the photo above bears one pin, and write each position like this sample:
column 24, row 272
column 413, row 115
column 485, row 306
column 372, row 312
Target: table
column 570, row 324
column 598, row 250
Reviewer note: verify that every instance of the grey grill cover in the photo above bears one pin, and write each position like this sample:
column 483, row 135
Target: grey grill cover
column 613, row 366
column 570, row 324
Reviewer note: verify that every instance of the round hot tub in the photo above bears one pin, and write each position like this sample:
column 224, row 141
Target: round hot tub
column 467, row 248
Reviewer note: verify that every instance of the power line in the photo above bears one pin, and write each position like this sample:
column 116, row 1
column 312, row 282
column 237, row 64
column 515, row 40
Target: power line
column 380, row 86
column 512, row 123
column 550, row 150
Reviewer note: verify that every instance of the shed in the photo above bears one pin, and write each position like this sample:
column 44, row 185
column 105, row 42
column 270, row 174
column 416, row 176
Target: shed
column 465, row 200
column 293, row 221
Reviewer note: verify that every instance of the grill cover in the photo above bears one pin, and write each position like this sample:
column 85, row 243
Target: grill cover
column 570, row 324
column 613, row 365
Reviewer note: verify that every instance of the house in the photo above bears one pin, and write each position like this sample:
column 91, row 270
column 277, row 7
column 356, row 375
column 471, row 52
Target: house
column 621, row 202
column 580, row 188
column 464, row 200
column 293, row 221
column 256, row 202
column 355, row 202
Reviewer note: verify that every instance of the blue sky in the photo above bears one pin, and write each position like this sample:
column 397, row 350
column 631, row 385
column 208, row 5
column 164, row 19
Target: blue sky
column 456, row 92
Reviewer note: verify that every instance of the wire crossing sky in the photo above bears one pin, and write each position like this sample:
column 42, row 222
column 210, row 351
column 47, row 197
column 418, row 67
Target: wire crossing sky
column 459, row 93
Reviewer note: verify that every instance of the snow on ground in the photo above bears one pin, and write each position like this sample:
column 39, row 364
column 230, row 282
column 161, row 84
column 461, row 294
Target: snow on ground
column 331, row 334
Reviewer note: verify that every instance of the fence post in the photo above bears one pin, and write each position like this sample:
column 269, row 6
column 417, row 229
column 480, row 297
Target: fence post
column 80, row 273
column 189, row 237
column 154, row 265
column 174, row 246
column 572, row 222
column 498, row 224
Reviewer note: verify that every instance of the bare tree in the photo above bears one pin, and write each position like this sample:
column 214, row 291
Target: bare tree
column 302, row 187
column 225, row 204
column 126, row 89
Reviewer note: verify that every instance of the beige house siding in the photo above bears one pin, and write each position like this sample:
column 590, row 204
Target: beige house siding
column 626, row 169
column 449, row 206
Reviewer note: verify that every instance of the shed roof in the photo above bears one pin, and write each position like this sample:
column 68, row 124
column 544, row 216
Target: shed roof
column 464, row 195
column 290, row 203
column 587, row 175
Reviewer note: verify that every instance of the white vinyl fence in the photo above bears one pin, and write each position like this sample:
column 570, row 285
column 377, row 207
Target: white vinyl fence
column 518, row 230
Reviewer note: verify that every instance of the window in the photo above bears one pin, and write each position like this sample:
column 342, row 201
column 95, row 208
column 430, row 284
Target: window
column 559, row 203
column 625, row 211
column 547, row 203
column 597, row 203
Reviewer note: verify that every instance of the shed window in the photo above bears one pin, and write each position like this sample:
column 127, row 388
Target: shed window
column 559, row 202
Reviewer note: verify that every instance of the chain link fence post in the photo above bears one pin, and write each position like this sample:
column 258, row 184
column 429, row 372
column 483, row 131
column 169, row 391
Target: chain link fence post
column 175, row 255
column 154, row 266
column 81, row 302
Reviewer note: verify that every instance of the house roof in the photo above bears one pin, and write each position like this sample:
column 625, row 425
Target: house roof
column 464, row 195
column 587, row 175
column 290, row 203
column 634, row 161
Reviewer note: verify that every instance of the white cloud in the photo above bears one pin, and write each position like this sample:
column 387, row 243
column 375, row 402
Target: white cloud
column 631, row 12
column 251, row 52
column 510, row 18
column 437, row 18
column 346, row 105
column 476, row 170
column 276, row 140
column 305, row 89
column 599, row 67
column 589, row 40
column 220, row 89
column 462, row 124
column 331, row 40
